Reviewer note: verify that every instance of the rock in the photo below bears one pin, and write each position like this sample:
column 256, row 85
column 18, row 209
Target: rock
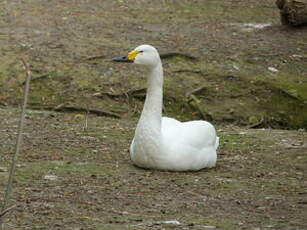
column 3, row 169
column 292, row 12
column 50, row 177
column 175, row 222
column 272, row 69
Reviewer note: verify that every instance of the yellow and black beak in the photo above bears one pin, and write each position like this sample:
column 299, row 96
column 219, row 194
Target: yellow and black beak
column 130, row 58
column 122, row 59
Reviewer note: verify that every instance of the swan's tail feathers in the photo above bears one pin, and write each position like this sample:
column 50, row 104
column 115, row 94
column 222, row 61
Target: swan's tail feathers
column 217, row 142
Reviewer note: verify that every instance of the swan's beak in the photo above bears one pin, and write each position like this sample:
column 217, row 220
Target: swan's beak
column 122, row 59
column 130, row 58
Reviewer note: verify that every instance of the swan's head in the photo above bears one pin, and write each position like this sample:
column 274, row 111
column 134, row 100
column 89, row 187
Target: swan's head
column 143, row 55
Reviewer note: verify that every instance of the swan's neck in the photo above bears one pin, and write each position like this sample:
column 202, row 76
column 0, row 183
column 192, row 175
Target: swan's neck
column 150, row 120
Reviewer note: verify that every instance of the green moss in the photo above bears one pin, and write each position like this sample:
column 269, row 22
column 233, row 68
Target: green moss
column 61, row 169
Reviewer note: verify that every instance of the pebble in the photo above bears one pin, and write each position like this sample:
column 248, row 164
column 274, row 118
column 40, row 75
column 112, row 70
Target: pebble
column 3, row 169
column 272, row 69
column 50, row 177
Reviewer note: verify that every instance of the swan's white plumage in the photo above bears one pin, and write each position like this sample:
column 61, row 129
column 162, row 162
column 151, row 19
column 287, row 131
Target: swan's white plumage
column 165, row 143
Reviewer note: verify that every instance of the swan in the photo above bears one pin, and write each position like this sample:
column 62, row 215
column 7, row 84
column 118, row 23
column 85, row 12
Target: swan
column 164, row 143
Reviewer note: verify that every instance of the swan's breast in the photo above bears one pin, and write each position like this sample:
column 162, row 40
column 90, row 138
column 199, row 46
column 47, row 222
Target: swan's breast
column 146, row 147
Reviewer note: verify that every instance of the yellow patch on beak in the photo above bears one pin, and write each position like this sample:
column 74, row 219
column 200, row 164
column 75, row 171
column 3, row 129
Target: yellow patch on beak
column 132, row 55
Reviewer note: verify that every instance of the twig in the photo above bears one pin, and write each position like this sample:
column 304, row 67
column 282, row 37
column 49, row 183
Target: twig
column 7, row 210
column 86, row 118
column 95, row 57
column 19, row 140
column 197, row 90
column 136, row 93
column 63, row 108
column 174, row 54
column 36, row 78
column 191, row 71
column 256, row 124
column 196, row 105
column 98, row 112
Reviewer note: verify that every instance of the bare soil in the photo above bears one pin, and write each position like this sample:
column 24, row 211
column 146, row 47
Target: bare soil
column 69, row 177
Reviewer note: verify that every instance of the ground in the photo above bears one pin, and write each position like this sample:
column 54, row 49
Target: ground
column 230, row 62
column 69, row 177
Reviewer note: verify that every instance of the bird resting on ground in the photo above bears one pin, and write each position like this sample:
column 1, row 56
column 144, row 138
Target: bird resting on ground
column 165, row 143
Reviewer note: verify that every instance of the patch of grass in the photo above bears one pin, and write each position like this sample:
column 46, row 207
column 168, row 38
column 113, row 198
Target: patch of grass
column 61, row 169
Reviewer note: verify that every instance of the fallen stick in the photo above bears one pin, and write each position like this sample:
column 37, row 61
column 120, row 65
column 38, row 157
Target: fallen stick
column 174, row 54
column 95, row 57
column 7, row 210
column 136, row 93
column 99, row 112
column 204, row 114
column 18, row 142
column 191, row 71
column 197, row 90
column 36, row 78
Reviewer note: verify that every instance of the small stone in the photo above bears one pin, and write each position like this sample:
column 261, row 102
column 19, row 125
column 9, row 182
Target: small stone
column 176, row 222
column 297, row 56
column 242, row 133
column 50, row 177
column 236, row 67
column 257, row 25
column 272, row 69
column 209, row 226
column 3, row 169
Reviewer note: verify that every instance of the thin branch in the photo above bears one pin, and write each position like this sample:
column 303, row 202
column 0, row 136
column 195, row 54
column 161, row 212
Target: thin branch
column 36, row 78
column 7, row 210
column 136, row 93
column 202, row 112
column 177, row 54
column 18, row 142
column 95, row 57
column 86, row 118
column 197, row 90
column 98, row 112
column 191, row 71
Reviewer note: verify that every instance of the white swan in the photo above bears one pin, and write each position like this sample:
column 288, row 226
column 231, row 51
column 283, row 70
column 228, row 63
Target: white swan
column 161, row 142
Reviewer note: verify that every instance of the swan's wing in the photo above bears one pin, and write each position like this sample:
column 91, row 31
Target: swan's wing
column 198, row 134
column 168, row 122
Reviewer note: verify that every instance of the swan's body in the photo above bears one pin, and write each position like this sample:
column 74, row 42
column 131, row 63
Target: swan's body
column 165, row 143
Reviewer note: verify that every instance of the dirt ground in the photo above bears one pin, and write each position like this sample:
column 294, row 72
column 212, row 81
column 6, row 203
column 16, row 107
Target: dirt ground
column 238, row 67
column 69, row 177
column 247, row 68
